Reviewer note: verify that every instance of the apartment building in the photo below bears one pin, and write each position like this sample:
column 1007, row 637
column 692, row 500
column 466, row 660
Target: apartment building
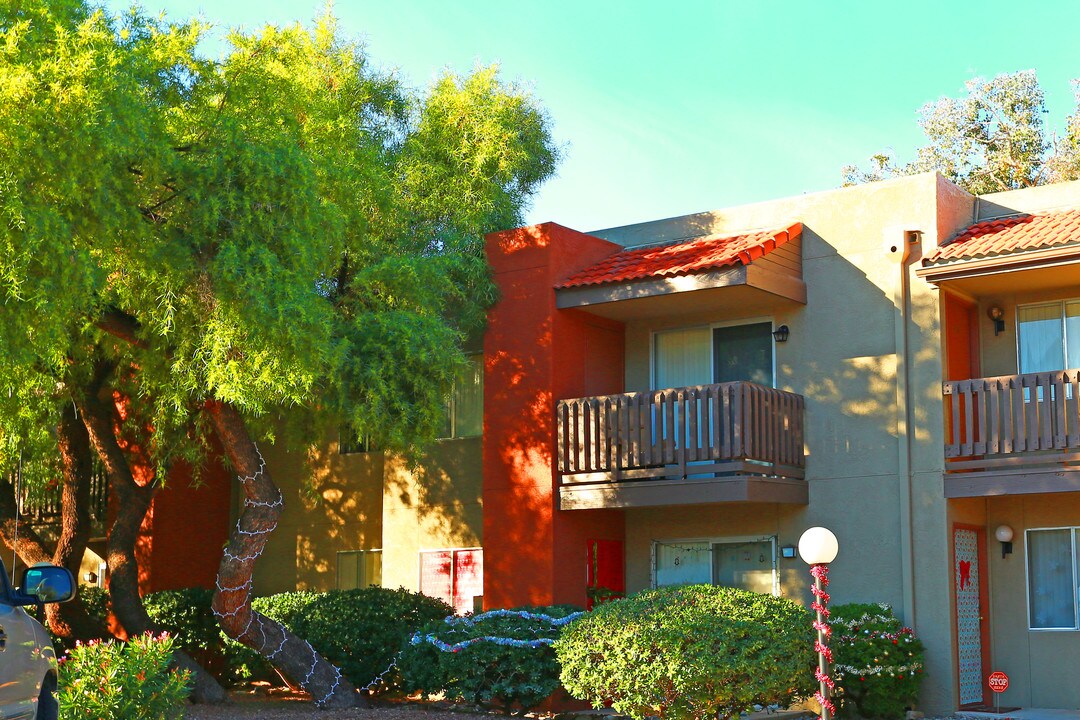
column 677, row 401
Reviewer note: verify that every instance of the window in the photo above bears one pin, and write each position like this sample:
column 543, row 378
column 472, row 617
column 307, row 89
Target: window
column 359, row 569
column 747, row 563
column 350, row 444
column 465, row 404
column 454, row 576
column 1052, row 578
column 1048, row 336
column 703, row 355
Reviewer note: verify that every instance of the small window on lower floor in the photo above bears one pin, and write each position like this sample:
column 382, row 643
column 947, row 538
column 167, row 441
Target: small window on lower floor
column 359, row 569
column 1052, row 556
column 454, row 576
column 748, row 563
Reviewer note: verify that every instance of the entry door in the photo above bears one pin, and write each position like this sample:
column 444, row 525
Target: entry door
column 971, row 640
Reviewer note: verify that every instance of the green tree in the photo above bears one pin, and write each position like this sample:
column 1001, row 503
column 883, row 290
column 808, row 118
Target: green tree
column 286, row 228
column 991, row 139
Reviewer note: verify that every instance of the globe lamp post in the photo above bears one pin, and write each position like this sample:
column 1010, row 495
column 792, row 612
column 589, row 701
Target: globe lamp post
column 818, row 548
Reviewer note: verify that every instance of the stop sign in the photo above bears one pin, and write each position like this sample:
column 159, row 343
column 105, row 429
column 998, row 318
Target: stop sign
column 998, row 681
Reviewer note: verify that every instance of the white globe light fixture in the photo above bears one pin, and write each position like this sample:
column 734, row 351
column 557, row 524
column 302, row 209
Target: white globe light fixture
column 1004, row 535
column 818, row 548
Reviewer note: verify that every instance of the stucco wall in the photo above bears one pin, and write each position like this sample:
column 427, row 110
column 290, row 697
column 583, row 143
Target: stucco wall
column 846, row 356
column 433, row 506
column 1041, row 664
column 333, row 503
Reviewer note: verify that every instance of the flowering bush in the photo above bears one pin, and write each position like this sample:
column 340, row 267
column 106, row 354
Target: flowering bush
column 878, row 663
column 117, row 681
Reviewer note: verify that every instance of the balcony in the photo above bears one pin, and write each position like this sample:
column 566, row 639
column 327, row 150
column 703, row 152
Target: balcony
column 1013, row 434
column 728, row 442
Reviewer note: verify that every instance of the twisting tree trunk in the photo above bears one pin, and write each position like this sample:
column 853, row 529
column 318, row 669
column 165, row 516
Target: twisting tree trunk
column 263, row 501
column 133, row 502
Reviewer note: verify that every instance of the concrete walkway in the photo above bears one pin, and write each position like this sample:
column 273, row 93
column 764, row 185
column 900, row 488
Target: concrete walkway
column 1022, row 714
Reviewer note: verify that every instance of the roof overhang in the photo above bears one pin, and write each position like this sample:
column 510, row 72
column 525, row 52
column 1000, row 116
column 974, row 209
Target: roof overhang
column 769, row 281
column 978, row 267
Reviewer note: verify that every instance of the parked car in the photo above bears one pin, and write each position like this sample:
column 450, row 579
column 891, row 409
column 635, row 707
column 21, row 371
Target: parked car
column 27, row 658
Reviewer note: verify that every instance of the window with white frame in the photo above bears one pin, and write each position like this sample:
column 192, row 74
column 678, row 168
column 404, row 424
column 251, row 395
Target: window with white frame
column 359, row 569
column 747, row 563
column 1052, row 578
column 713, row 354
column 1048, row 336
column 465, row 404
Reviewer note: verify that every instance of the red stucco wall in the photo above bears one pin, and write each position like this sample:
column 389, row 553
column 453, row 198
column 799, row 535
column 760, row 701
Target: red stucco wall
column 534, row 355
column 190, row 527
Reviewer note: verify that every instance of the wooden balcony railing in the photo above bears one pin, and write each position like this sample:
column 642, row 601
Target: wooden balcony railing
column 1019, row 421
column 44, row 507
column 727, row 428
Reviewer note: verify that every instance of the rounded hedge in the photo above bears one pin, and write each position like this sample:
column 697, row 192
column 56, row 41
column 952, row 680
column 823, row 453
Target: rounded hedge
column 689, row 652
column 878, row 663
column 361, row 630
column 486, row 673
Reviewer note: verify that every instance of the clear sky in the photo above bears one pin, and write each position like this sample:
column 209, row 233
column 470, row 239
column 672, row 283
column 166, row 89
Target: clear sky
column 667, row 108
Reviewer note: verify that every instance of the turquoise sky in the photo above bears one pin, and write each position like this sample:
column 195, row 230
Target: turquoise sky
column 682, row 106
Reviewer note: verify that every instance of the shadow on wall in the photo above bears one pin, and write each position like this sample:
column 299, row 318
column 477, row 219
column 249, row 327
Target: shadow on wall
column 519, row 502
column 843, row 358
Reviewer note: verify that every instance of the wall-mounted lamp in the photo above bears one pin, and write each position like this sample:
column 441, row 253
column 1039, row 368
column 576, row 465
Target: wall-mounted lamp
column 998, row 316
column 1004, row 535
column 789, row 551
column 91, row 577
column 781, row 333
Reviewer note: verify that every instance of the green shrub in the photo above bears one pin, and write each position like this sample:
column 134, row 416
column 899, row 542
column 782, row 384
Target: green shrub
column 118, row 681
column 362, row 630
column 689, row 652
column 486, row 672
column 878, row 663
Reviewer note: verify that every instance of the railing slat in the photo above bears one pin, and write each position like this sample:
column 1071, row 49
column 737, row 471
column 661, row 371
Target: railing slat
column 1012, row 415
column 739, row 422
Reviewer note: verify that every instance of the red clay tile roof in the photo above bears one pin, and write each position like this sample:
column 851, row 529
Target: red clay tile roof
column 1009, row 235
column 682, row 258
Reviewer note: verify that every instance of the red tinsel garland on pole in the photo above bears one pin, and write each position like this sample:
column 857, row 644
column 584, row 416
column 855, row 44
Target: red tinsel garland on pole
column 821, row 644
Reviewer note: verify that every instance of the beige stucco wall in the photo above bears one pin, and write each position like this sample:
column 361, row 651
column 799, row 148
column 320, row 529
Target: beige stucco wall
column 845, row 356
column 1041, row 664
column 437, row 505
column 368, row 501
column 333, row 503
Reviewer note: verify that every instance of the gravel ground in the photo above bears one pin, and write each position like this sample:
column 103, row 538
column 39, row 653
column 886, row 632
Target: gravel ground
column 282, row 705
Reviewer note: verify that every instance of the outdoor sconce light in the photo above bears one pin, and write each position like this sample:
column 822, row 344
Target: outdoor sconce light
column 818, row 548
column 781, row 333
column 91, row 577
column 788, row 552
column 1004, row 535
column 998, row 316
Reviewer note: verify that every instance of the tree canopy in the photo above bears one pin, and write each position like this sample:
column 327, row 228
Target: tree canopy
column 994, row 138
column 285, row 226
column 213, row 241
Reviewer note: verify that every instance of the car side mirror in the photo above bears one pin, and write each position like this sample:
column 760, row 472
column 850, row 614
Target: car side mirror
column 48, row 584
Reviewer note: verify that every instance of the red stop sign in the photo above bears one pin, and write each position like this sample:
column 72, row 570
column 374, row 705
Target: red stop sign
column 998, row 681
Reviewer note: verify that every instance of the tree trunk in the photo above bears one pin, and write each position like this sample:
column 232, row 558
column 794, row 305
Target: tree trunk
column 263, row 501
column 132, row 503
column 70, row 620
